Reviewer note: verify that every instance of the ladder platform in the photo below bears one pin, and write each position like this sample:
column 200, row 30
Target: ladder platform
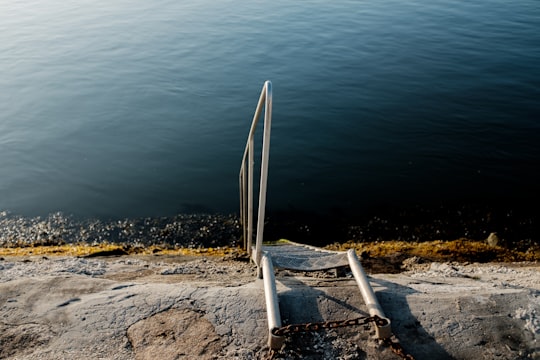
column 294, row 256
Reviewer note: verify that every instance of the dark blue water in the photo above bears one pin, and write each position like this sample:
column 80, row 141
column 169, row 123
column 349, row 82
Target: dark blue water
column 141, row 108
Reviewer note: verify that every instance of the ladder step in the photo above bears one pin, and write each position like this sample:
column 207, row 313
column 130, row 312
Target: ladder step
column 294, row 256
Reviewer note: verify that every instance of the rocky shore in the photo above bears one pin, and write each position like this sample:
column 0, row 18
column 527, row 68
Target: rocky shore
column 516, row 227
column 185, row 230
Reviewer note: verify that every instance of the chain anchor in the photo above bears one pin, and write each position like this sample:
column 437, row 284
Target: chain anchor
column 397, row 349
column 316, row 326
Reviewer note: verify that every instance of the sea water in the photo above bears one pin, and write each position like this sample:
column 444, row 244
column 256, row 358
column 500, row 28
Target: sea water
column 119, row 108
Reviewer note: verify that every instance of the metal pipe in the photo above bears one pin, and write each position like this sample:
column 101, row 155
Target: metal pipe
column 250, row 195
column 265, row 100
column 243, row 208
column 272, row 305
column 264, row 168
column 383, row 332
column 240, row 181
column 255, row 120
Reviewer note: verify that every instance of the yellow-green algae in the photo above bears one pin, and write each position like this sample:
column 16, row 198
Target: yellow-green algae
column 107, row 248
column 462, row 250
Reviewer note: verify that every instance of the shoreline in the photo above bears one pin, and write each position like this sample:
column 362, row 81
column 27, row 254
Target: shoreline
column 516, row 227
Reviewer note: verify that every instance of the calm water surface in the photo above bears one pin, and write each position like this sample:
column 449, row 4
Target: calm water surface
column 141, row 108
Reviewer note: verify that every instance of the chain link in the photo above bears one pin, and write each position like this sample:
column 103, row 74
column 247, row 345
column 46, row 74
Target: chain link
column 271, row 354
column 397, row 349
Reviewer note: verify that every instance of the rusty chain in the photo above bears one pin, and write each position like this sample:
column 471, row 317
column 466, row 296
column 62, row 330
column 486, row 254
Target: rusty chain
column 316, row 326
column 271, row 354
column 397, row 349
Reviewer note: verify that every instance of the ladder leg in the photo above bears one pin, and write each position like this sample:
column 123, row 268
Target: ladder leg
column 383, row 332
column 272, row 305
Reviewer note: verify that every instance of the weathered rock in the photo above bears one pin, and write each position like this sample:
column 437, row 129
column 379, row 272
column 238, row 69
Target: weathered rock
column 174, row 334
column 493, row 239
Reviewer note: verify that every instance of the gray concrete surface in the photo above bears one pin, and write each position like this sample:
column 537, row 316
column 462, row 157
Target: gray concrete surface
column 159, row 308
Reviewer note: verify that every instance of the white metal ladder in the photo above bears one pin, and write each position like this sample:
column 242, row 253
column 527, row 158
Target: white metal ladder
column 287, row 255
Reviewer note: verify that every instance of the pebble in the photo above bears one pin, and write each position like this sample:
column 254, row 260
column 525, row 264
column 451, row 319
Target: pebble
column 184, row 230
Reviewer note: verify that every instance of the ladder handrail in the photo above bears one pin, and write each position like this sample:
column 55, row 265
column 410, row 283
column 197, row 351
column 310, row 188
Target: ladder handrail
column 246, row 185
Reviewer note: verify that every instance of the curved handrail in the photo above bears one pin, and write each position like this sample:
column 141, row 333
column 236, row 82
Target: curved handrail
column 246, row 185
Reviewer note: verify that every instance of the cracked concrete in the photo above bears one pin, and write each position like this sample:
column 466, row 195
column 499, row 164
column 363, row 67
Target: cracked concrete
column 130, row 308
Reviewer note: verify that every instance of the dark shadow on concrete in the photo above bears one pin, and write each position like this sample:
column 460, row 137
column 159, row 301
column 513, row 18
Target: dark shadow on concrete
column 405, row 326
column 302, row 304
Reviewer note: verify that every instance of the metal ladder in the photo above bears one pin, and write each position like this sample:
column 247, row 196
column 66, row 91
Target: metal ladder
column 286, row 254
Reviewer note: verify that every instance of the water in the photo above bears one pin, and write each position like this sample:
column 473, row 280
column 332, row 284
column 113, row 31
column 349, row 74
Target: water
column 112, row 109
